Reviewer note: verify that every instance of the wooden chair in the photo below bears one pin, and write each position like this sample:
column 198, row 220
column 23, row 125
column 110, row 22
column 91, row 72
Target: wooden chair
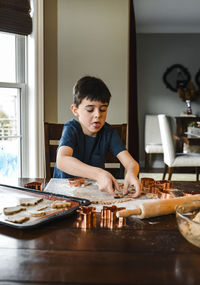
column 153, row 144
column 53, row 134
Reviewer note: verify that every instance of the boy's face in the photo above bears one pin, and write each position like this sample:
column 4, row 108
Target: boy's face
column 91, row 115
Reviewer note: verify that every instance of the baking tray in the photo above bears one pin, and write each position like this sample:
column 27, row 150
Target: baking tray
column 10, row 195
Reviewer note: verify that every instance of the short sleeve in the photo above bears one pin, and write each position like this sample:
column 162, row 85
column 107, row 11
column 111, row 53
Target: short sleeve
column 116, row 144
column 68, row 137
column 71, row 134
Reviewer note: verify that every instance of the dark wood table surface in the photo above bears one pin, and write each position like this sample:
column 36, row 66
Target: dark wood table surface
column 191, row 140
column 148, row 252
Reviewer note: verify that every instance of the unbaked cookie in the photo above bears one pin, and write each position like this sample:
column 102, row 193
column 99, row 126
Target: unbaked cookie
column 18, row 219
column 60, row 204
column 30, row 201
column 13, row 210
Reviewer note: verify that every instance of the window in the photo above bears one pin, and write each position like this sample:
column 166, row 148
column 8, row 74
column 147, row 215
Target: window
column 12, row 104
column 22, row 77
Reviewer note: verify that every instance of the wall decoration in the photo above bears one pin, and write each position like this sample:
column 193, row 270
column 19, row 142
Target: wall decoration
column 176, row 76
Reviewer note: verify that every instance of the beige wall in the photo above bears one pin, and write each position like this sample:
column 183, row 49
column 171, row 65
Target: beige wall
column 50, row 61
column 87, row 37
column 93, row 40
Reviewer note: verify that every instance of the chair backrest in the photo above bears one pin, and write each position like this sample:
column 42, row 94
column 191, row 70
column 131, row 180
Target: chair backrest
column 167, row 139
column 152, row 130
column 52, row 134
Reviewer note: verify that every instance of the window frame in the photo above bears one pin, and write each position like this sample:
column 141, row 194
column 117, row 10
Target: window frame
column 32, row 105
column 21, row 85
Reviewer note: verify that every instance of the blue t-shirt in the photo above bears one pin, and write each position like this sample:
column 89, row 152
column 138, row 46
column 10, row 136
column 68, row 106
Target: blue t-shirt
column 90, row 150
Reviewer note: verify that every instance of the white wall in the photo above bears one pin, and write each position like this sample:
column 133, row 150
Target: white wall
column 93, row 40
column 155, row 53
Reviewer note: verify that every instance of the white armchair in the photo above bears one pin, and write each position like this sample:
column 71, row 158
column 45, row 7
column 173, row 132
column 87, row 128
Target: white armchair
column 171, row 158
column 152, row 138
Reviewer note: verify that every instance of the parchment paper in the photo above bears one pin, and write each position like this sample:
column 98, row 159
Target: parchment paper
column 92, row 193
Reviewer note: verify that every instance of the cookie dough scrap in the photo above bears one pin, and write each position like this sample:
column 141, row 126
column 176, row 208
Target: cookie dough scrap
column 30, row 201
column 13, row 210
column 60, row 204
column 111, row 202
column 18, row 219
column 131, row 190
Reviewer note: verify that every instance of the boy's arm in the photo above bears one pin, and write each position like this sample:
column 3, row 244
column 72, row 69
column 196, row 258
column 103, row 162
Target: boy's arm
column 132, row 170
column 74, row 166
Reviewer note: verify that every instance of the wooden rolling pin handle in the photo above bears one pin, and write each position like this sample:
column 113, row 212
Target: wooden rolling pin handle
column 158, row 207
column 126, row 213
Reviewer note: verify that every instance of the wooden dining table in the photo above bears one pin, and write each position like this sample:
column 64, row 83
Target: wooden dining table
column 149, row 251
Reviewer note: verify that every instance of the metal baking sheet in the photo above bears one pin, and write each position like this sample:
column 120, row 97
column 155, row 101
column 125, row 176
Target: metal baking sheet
column 10, row 196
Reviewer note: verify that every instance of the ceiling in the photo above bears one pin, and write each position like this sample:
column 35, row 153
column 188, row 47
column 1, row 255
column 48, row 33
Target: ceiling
column 167, row 16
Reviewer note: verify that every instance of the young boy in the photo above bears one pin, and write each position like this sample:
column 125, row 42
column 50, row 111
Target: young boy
column 84, row 143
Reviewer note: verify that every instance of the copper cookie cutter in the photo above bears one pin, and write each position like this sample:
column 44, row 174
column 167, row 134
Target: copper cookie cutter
column 34, row 185
column 109, row 218
column 87, row 217
column 110, row 212
column 146, row 182
column 76, row 182
column 159, row 188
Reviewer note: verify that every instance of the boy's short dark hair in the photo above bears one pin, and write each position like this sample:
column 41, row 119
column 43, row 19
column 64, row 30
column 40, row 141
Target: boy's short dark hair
column 91, row 88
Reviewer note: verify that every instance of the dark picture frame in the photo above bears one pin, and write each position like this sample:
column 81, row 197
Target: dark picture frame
column 176, row 76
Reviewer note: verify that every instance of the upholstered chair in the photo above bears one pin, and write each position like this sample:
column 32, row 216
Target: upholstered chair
column 153, row 144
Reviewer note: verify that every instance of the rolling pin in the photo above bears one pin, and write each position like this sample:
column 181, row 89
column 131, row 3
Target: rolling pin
column 157, row 208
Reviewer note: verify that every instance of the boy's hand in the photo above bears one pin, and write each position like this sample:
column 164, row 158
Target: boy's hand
column 107, row 183
column 131, row 179
column 132, row 168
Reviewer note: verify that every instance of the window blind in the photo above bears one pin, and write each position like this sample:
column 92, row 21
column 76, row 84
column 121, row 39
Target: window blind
column 15, row 17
